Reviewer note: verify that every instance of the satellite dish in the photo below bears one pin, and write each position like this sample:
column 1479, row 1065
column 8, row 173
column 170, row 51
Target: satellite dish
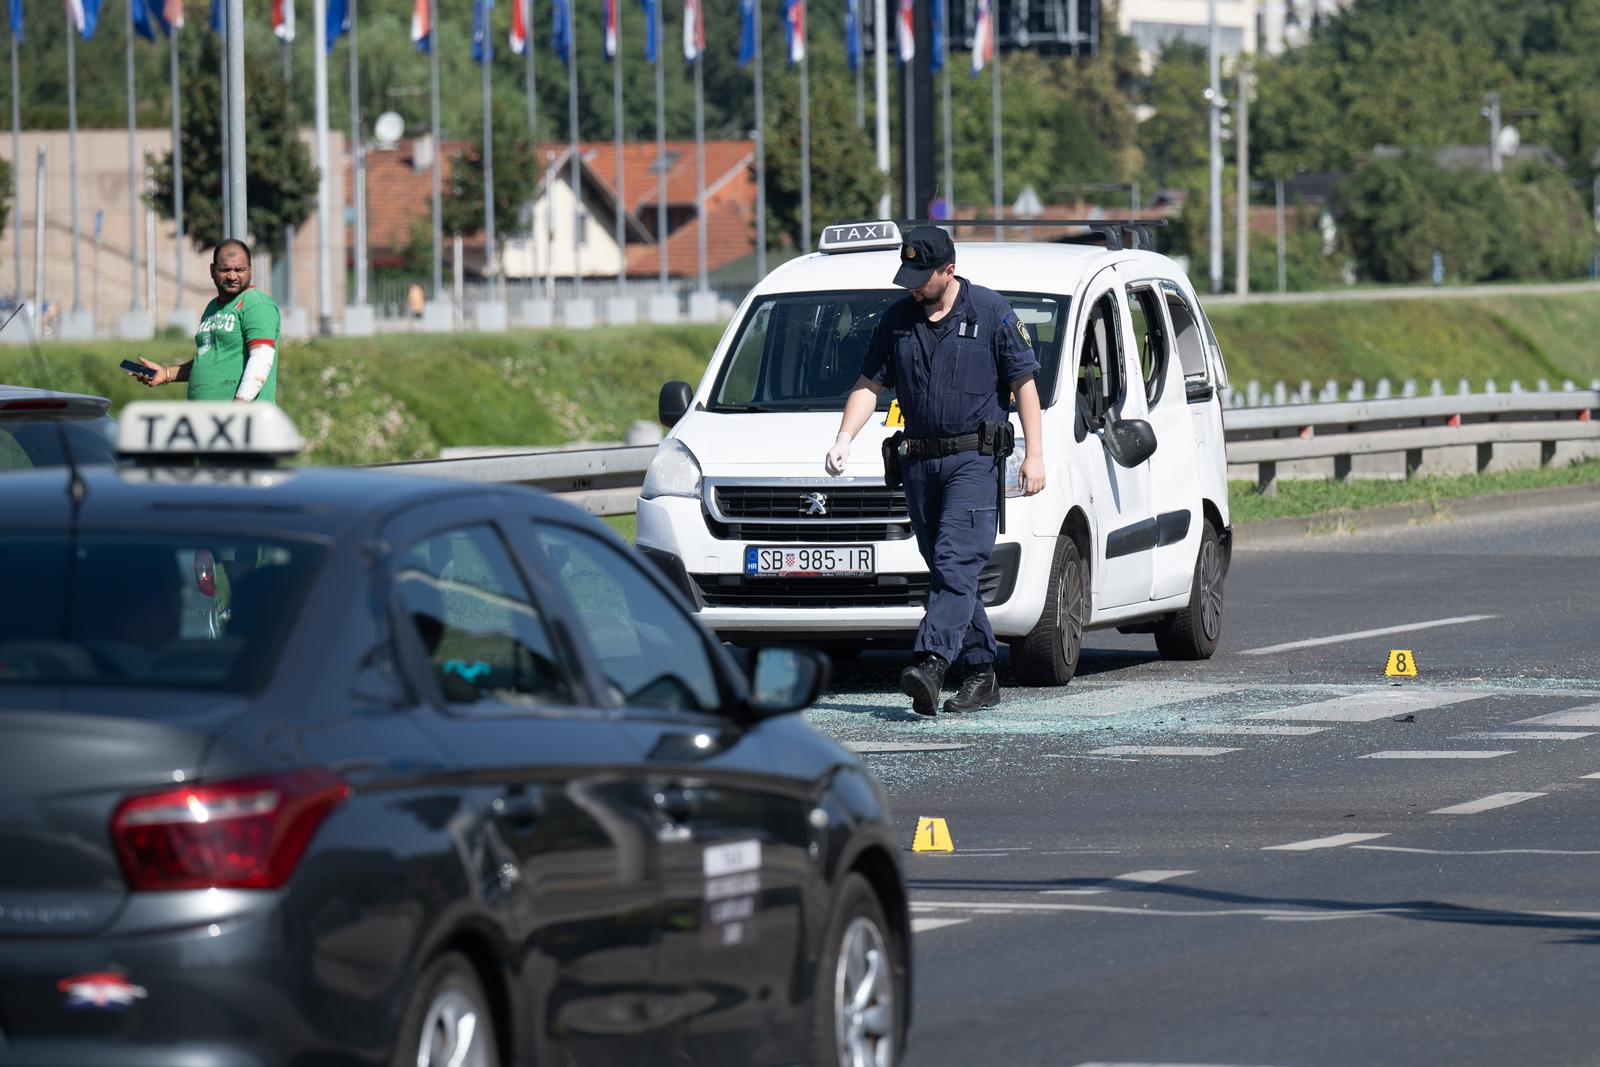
column 388, row 130
column 1510, row 141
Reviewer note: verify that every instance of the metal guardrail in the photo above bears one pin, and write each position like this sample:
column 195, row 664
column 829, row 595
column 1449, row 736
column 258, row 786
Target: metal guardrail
column 606, row 481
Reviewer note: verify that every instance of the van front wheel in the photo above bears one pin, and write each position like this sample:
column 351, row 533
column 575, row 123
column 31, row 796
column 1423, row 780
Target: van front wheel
column 1049, row 654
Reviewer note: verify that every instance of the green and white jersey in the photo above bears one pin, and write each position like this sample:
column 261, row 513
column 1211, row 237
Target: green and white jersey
column 236, row 349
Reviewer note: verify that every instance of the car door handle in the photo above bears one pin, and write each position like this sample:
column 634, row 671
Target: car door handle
column 675, row 808
column 519, row 805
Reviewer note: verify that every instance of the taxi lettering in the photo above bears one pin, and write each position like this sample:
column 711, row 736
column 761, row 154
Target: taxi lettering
column 180, row 433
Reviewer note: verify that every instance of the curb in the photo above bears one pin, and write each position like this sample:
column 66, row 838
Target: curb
column 1348, row 521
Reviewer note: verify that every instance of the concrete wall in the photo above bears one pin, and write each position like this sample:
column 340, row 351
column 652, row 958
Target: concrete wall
column 103, row 185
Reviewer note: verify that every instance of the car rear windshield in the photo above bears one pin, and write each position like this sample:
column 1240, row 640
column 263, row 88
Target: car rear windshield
column 38, row 439
column 803, row 351
column 147, row 610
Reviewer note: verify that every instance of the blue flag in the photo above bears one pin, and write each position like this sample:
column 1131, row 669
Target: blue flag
column 481, row 45
column 16, row 19
column 852, row 33
column 561, row 29
column 936, row 61
column 338, row 21
column 216, row 16
column 148, row 17
column 85, row 15
column 747, row 31
column 649, row 7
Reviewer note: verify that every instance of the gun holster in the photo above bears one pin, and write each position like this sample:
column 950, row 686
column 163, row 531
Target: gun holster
column 997, row 437
column 894, row 453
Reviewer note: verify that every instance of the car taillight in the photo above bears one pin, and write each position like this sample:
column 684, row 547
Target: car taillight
column 205, row 572
column 243, row 834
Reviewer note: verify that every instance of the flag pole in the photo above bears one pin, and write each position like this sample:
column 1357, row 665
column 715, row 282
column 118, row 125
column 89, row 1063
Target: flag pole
column 616, row 131
column 855, row 62
column 805, row 140
column 133, row 165
column 994, row 120
column 661, row 143
column 761, row 154
column 533, row 83
column 490, row 248
column 177, row 173
column 438, row 149
column 288, row 234
column 16, row 161
column 572, row 132
column 908, row 111
column 700, row 157
column 944, row 68
column 319, row 52
column 358, row 160
column 72, row 156
column 221, row 7
column 880, row 43
column 236, row 126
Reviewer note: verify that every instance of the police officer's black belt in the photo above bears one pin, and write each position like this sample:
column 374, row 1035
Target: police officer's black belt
column 935, row 447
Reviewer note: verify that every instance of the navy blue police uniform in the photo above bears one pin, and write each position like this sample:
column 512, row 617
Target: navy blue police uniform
column 951, row 376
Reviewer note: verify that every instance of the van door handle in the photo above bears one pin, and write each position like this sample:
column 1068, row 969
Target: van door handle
column 519, row 805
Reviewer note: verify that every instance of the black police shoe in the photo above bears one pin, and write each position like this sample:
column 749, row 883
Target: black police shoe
column 922, row 681
column 980, row 689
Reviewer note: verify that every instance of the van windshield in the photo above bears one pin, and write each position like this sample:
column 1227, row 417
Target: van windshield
column 803, row 351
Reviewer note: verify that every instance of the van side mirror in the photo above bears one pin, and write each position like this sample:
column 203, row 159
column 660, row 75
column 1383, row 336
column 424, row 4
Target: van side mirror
column 1130, row 441
column 674, row 402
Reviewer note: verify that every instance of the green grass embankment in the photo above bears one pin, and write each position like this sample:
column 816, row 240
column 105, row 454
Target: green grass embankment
column 364, row 400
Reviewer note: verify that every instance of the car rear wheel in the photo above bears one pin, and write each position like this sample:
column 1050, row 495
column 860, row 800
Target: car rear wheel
column 1049, row 654
column 1192, row 632
column 449, row 1022
column 858, row 997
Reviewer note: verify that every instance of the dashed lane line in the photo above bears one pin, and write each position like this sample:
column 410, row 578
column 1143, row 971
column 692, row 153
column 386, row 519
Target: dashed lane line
column 1461, row 753
column 1161, row 750
column 1142, row 1063
column 1132, row 880
column 1256, row 731
column 1595, row 775
column 1588, row 715
column 1488, row 803
column 1333, row 841
column 1482, row 852
column 1522, row 735
column 1369, row 706
column 884, row 747
column 924, row 923
column 1279, row 914
column 1357, row 635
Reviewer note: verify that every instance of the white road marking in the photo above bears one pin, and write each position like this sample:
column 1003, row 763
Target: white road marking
column 1142, row 1063
column 1370, row 706
column 1437, row 754
column 1523, row 735
column 1482, row 852
column 1160, row 750
column 1488, row 803
column 923, row 924
column 1585, row 716
column 899, row 746
column 1251, row 731
column 1121, row 881
column 1333, row 639
column 1279, row 914
column 1334, row 841
column 1595, row 775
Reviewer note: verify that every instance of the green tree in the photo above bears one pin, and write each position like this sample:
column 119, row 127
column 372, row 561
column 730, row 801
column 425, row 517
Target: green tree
column 281, row 179
column 844, row 179
column 516, row 178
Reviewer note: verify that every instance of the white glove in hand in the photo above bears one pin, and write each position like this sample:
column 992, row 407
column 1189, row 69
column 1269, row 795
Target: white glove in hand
column 838, row 454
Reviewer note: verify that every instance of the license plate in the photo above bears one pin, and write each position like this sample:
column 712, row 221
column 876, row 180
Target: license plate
column 790, row 561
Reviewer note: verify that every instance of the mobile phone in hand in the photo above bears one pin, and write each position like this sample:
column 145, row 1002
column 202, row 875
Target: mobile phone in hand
column 138, row 368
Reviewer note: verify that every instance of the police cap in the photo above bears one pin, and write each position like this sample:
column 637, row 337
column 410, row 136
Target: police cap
column 924, row 250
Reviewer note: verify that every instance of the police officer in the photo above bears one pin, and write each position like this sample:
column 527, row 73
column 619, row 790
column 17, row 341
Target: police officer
column 954, row 353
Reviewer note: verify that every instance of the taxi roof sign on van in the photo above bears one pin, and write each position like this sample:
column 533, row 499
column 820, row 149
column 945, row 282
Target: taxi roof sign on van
column 859, row 236
column 159, row 431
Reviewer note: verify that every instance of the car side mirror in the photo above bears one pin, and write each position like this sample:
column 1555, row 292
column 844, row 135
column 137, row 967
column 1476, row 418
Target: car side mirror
column 1130, row 441
column 674, row 402
column 787, row 679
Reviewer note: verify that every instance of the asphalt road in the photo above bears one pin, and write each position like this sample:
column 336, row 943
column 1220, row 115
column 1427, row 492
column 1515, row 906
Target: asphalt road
column 1121, row 890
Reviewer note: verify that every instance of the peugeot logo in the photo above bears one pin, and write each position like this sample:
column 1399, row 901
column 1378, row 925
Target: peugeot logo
column 814, row 504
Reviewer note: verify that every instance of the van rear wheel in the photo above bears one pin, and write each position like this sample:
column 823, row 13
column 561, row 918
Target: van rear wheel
column 1049, row 654
column 1193, row 631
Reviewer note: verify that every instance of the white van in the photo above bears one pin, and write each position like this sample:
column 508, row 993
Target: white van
column 738, row 511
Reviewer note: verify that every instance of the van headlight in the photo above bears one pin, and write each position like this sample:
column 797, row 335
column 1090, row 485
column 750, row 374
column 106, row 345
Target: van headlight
column 1014, row 469
column 673, row 471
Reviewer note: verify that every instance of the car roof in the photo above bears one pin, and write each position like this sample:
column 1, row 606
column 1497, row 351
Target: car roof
column 1013, row 266
column 79, row 401
column 318, row 501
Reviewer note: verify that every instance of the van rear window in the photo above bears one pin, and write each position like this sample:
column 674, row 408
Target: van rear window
column 147, row 610
column 803, row 351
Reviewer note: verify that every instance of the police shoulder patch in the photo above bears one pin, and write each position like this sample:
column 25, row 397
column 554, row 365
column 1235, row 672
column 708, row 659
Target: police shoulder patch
column 1022, row 332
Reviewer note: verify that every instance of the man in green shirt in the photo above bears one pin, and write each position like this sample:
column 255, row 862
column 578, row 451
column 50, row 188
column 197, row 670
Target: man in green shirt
column 236, row 347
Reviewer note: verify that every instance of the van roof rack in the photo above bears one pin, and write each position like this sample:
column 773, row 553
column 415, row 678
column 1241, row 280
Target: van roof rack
column 1115, row 234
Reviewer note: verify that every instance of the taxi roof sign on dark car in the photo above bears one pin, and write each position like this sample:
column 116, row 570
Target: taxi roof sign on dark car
column 162, row 432
column 865, row 236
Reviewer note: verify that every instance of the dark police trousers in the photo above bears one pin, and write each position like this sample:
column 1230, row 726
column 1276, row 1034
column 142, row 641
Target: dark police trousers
column 952, row 504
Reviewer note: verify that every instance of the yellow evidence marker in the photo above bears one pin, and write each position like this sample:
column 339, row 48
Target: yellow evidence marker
column 895, row 416
column 1402, row 664
column 933, row 835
